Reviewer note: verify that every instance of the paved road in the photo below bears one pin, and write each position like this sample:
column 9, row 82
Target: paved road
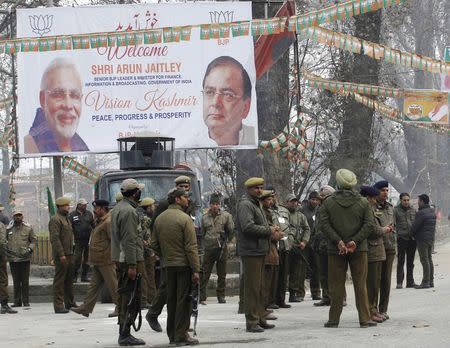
column 419, row 318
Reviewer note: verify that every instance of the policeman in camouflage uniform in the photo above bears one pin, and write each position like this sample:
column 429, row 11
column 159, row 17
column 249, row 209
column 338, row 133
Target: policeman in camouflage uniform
column 61, row 238
column 5, row 308
column 217, row 229
column 21, row 239
column 183, row 182
column 145, row 212
column 127, row 251
column 385, row 211
column 281, row 215
column 298, row 235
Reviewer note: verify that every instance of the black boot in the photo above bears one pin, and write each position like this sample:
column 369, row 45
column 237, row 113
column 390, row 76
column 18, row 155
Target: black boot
column 126, row 339
column 6, row 309
column 153, row 322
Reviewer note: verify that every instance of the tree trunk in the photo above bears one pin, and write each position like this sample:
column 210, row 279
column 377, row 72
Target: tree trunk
column 272, row 91
column 355, row 148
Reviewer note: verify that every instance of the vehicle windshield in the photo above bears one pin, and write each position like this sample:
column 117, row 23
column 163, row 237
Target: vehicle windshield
column 156, row 186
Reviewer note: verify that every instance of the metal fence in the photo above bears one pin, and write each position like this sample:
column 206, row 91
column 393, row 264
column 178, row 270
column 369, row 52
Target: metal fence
column 42, row 254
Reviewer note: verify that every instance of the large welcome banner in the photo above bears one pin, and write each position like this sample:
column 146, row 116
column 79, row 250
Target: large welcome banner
column 83, row 100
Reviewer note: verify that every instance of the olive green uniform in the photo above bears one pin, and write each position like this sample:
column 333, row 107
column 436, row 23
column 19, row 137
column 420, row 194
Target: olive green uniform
column 216, row 231
column 299, row 231
column 126, row 251
column 319, row 243
column 61, row 239
column 311, row 255
column 103, row 269
column 21, row 241
column 271, row 263
column 281, row 214
column 148, row 278
column 385, row 216
column 348, row 217
column 174, row 238
column 376, row 256
column 3, row 271
column 253, row 245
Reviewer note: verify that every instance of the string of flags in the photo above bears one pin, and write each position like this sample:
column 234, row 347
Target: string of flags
column 75, row 166
column 376, row 51
column 255, row 27
column 356, row 91
column 291, row 143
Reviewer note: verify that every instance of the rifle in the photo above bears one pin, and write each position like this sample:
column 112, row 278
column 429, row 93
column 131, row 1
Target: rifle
column 298, row 251
column 134, row 305
column 195, row 300
column 223, row 243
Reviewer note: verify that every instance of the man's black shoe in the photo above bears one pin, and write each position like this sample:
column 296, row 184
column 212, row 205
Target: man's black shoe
column 221, row 299
column 153, row 322
column 316, row 297
column 322, row 303
column 266, row 326
column 6, row 309
column 16, row 305
column 255, row 328
column 423, row 286
column 26, row 304
column 331, row 324
column 273, row 306
column 366, row 324
column 284, row 305
column 61, row 311
column 130, row 341
column 431, row 284
column 412, row 285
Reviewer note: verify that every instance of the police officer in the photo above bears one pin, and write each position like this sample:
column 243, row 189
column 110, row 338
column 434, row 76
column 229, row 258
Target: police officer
column 125, row 251
column 385, row 215
column 182, row 182
column 61, row 238
column 145, row 212
column 5, row 308
column 82, row 224
column 309, row 209
column 175, row 240
column 217, row 228
column 21, row 241
column 347, row 220
column 254, row 235
column 281, row 214
column 3, row 218
column 103, row 269
column 298, row 235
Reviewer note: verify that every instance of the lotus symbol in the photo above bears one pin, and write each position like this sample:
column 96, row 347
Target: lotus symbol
column 41, row 24
column 221, row 16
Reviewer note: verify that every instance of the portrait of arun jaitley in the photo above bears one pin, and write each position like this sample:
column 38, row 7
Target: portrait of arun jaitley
column 227, row 92
column 56, row 121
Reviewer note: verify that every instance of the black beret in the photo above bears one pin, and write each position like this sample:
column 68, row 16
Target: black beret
column 100, row 203
column 381, row 184
column 424, row 198
column 313, row 194
column 214, row 199
column 369, row 191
